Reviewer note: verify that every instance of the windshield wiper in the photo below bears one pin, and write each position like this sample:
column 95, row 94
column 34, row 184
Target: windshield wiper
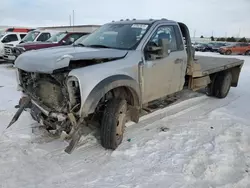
column 98, row 46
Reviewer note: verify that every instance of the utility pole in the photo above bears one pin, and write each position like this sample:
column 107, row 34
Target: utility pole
column 73, row 19
column 70, row 20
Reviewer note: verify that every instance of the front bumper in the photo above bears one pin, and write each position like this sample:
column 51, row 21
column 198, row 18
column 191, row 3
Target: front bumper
column 9, row 58
column 200, row 49
column 35, row 110
column 41, row 109
column 56, row 115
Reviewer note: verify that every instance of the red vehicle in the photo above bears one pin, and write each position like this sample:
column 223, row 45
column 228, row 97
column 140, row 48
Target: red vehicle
column 13, row 29
column 59, row 39
column 238, row 49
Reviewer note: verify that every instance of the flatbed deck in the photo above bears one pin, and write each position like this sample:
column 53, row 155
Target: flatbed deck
column 210, row 65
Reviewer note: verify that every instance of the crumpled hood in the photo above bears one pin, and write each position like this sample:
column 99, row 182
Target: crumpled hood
column 50, row 59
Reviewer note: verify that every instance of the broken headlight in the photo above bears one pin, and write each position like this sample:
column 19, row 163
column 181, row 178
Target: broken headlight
column 74, row 93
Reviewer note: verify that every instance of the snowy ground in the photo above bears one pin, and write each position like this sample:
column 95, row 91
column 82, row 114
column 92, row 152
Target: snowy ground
column 205, row 143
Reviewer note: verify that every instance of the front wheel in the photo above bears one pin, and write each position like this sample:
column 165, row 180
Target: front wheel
column 113, row 123
column 228, row 52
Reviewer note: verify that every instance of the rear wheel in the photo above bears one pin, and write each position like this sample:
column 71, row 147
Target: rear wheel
column 113, row 123
column 222, row 84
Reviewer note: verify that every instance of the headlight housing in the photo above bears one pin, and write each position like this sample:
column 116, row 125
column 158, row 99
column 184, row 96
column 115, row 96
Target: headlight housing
column 74, row 92
column 18, row 51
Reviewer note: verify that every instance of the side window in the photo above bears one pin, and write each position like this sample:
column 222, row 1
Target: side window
column 165, row 32
column 72, row 38
column 244, row 44
column 180, row 40
column 22, row 36
column 10, row 38
column 43, row 37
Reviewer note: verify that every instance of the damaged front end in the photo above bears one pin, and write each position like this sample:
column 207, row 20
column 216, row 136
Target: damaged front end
column 53, row 100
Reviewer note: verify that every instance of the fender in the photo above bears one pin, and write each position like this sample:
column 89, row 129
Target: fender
column 105, row 86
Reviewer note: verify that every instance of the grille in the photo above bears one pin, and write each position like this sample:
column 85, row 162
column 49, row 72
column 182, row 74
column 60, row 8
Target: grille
column 45, row 89
column 7, row 51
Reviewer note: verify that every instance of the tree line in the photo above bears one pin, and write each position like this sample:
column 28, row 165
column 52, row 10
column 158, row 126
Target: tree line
column 228, row 39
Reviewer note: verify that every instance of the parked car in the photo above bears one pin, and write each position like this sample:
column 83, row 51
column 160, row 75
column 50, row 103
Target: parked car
column 237, row 49
column 32, row 36
column 58, row 39
column 202, row 47
column 110, row 78
column 11, row 36
column 217, row 46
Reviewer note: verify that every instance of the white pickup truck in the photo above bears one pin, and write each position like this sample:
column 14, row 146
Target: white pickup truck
column 10, row 38
column 113, row 75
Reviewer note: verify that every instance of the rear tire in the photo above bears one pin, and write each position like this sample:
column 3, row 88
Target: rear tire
column 222, row 84
column 113, row 123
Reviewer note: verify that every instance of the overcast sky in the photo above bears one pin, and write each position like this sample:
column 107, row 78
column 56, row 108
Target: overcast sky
column 221, row 17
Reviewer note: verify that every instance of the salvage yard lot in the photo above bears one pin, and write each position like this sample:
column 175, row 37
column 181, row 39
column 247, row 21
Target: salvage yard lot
column 200, row 142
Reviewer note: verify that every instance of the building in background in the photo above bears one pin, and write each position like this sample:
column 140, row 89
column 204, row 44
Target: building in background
column 79, row 28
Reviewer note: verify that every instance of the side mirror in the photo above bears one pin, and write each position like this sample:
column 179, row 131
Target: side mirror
column 158, row 52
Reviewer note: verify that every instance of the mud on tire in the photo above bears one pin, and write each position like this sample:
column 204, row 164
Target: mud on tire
column 113, row 123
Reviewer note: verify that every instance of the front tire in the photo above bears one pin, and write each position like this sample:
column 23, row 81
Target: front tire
column 228, row 52
column 247, row 53
column 222, row 84
column 113, row 123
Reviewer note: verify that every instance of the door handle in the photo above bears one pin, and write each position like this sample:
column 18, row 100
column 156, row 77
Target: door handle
column 178, row 60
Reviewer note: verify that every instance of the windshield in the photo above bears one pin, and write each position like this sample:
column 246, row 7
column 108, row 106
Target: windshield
column 31, row 36
column 57, row 37
column 118, row 36
column 80, row 40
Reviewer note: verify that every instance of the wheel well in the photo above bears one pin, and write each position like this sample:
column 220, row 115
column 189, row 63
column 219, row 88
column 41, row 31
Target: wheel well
column 123, row 92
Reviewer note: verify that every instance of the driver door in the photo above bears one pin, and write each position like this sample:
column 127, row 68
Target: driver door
column 166, row 75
